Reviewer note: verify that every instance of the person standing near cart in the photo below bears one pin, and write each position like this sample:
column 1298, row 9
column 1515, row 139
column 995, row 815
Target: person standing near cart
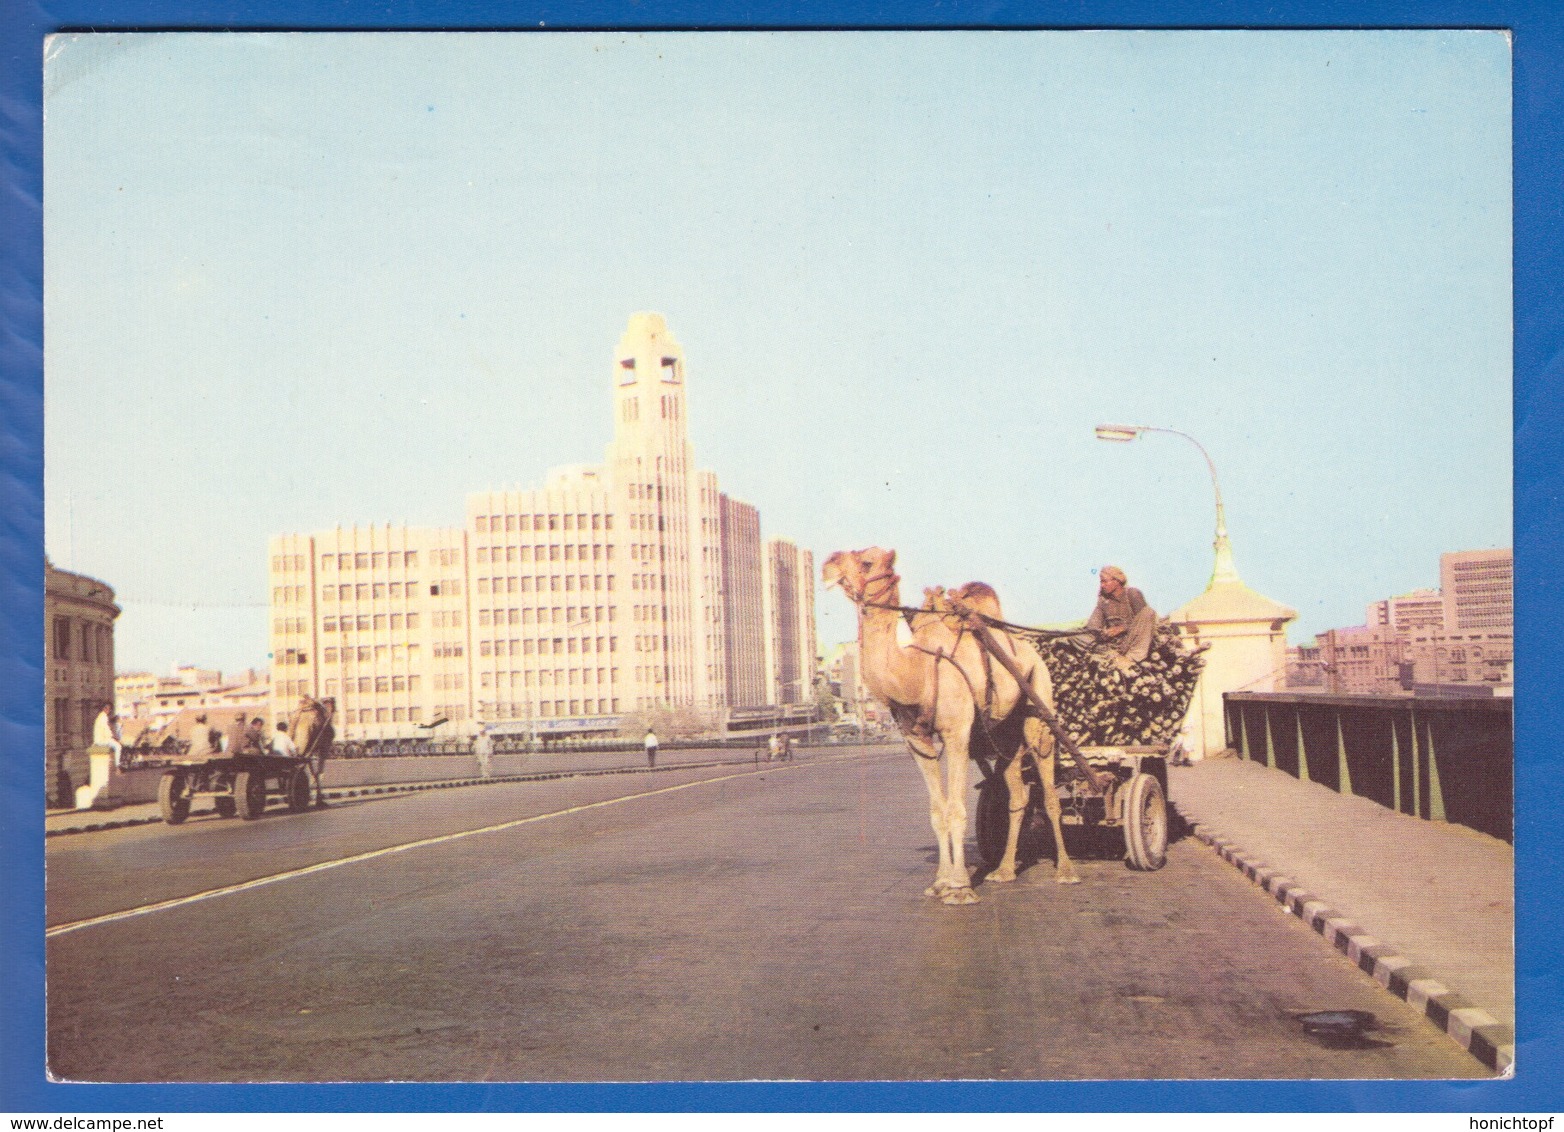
column 313, row 734
column 651, row 749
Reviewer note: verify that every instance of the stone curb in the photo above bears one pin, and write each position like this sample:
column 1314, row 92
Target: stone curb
column 411, row 787
column 1473, row 1029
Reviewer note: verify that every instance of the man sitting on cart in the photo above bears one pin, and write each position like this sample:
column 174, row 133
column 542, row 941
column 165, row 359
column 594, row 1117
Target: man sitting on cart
column 1122, row 620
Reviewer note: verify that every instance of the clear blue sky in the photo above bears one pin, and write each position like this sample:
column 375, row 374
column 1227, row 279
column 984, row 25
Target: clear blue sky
column 294, row 281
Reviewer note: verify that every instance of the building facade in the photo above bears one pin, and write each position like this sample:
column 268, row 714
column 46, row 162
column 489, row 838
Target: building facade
column 616, row 589
column 1460, row 635
column 79, row 615
column 1478, row 588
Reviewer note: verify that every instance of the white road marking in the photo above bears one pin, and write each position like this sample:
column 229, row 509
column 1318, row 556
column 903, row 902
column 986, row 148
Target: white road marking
column 322, row 866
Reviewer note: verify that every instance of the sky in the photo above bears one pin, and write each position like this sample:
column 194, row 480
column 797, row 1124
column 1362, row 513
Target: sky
column 296, row 281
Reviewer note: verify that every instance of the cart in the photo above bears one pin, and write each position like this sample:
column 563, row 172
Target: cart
column 1125, row 787
column 1131, row 797
column 240, row 785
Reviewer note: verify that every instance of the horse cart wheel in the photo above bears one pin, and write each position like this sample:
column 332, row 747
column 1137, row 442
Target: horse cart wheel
column 1145, row 823
column 993, row 819
column 172, row 800
column 226, row 806
column 250, row 791
column 299, row 790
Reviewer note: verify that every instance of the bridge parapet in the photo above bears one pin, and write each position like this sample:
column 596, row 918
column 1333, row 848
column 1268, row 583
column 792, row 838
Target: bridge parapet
column 1443, row 759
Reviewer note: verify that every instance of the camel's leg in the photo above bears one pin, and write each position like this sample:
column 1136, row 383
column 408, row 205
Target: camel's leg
column 1041, row 743
column 1017, row 792
column 926, row 755
column 959, row 883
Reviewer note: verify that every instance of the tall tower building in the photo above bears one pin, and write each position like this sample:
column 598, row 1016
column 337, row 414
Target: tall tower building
column 744, row 604
column 790, row 621
column 611, row 590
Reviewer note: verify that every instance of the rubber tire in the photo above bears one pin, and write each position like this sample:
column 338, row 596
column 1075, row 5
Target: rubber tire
column 1145, row 822
column 226, row 806
column 993, row 820
column 172, row 801
column 250, row 792
column 298, row 789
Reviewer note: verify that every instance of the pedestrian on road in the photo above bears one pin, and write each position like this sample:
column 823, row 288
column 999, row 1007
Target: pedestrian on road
column 651, row 749
column 483, row 749
column 282, row 744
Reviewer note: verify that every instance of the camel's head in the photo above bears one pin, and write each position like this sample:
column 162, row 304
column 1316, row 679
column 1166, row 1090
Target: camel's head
column 980, row 596
column 856, row 570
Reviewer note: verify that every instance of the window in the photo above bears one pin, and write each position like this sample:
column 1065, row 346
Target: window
column 482, row 525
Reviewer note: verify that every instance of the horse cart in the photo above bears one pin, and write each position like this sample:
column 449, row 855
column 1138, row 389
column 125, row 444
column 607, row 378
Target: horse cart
column 241, row 784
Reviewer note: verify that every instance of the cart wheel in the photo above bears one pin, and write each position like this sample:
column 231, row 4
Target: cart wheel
column 1145, row 823
column 226, row 806
column 250, row 793
column 172, row 800
column 299, row 790
column 993, row 819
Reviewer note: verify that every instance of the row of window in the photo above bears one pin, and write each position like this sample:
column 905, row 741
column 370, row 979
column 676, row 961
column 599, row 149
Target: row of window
column 395, row 591
column 367, row 622
column 555, row 709
column 569, row 521
column 548, row 677
column 557, row 552
column 292, row 656
column 555, row 583
column 384, row 559
column 383, row 715
column 281, row 625
column 282, row 563
column 363, row 654
column 369, row 685
column 93, row 643
column 555, row 646
column 554, row 615
column 288, row 595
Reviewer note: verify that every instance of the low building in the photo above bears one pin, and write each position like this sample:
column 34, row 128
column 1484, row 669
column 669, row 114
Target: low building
column 79, row 615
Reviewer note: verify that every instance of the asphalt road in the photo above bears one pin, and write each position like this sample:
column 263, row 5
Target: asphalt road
column 720, row 924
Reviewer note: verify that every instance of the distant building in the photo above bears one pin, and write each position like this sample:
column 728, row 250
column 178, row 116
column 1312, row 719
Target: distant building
column 790, row 619
column 1419, row 610
column 1361, row 661
column 148, row 703
column 1462, row 634
column 1478, row 588
column 79, row 615
column 1305, row 670
column 612, row 590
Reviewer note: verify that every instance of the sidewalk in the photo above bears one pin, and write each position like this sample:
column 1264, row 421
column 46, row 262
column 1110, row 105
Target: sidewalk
column 1427, row 908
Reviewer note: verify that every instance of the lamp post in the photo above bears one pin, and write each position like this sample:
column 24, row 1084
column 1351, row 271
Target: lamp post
column 1224, row 570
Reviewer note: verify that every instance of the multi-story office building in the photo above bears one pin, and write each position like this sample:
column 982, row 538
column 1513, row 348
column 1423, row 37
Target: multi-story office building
column 1420, row 610
column 744, row 608
column 790, row 619
column 1478, row 588
column 623, row 588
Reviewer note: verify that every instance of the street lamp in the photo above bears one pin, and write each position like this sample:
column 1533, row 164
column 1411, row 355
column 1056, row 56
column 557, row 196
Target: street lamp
column 1224, row 570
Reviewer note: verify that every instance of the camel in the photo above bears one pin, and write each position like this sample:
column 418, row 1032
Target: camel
column 936, row 689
